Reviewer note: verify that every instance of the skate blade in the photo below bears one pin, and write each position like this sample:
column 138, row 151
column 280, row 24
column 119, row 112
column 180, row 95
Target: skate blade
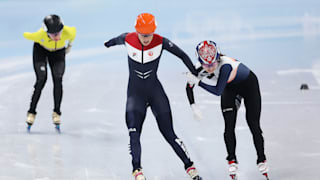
column 234, row 177
column 28, row 128
column 197, row 178
column 58, row 128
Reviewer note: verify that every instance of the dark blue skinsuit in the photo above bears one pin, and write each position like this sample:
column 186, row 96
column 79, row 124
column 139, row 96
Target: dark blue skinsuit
column 145, row 89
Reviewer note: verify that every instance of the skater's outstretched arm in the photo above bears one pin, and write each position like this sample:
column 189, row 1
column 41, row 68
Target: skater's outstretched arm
column 190, row 95
column 71, row 33
column 36, row 36
column 42, row 37
column 189, row 90
column 222, row 81
column 174, row 49
column 116, row 41
column 190, row 86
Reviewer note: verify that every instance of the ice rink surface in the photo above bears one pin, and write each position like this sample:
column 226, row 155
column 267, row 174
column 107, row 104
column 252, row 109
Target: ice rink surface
column 93, row 144
column 278, row 40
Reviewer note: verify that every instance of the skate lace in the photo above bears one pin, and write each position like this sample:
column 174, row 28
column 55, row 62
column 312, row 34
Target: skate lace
column 192, row 171
column 263, row 167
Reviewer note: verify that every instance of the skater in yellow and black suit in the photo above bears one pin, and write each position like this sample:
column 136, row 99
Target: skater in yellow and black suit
column 49, row 47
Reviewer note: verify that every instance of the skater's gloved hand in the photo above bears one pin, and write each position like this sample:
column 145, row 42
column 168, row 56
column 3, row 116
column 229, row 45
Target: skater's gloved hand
column 196, row 112
column 192, row 79
column 107, row 44
column 68, row 48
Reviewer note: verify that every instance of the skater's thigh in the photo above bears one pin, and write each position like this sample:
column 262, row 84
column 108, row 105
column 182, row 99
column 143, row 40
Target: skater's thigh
column 160, row 103
column 40, row 61
column 135, row 112
column 57, row 63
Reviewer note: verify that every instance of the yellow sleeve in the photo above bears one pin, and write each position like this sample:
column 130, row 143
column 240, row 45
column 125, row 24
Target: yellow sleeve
column 36, row 36
column 71, row 31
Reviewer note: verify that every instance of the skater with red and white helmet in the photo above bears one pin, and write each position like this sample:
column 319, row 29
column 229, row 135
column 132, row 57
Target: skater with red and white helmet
column 234, row 82
column 49, row 48
column 144, row 49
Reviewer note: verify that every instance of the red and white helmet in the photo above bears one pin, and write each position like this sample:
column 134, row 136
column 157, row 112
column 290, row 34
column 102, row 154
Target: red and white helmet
column 207, row 52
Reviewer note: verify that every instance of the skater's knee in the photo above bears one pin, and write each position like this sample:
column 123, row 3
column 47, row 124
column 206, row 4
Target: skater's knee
column 170, row 137
column 165, row 126
column 256, row 130
column 134, row 135
column 134, row 121
column 229, row 132
column 40, row 83
column 57, row 80
column 168, row 133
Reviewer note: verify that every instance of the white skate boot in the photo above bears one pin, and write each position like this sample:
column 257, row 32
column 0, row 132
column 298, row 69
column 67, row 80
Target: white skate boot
column 193, row 173
column 30, row 120
column 138, row 174
column 56, row 120
column 233, row 169
column 263, row 168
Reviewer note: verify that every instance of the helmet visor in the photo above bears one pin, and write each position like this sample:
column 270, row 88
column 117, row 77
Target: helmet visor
column 145, row 35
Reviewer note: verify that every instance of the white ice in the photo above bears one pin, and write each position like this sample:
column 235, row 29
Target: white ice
column 93, row 144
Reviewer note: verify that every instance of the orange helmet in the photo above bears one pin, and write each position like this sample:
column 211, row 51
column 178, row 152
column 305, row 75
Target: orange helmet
column 145, row 23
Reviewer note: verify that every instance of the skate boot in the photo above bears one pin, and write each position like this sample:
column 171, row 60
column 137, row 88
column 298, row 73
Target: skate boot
column 138, row 174
column 56, row 121
column 193, row 173
column 263, row 168
column 233, row 169
column 30, row 120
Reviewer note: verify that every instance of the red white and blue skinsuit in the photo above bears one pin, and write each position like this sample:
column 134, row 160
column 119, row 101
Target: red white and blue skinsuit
column 145, row 89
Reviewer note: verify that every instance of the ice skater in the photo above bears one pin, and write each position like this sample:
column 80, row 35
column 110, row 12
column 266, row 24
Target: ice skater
column 49, row 47
column 144, row 49
column 235, row 82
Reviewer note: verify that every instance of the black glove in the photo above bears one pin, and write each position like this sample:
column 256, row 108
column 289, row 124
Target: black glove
column 107, row 44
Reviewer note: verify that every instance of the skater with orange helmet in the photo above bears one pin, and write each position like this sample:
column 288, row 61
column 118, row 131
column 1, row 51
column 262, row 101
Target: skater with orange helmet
column 144, row 49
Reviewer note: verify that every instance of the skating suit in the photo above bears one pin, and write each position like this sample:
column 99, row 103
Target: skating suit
column 45, row 51
column 234, row 82
column 144, row 90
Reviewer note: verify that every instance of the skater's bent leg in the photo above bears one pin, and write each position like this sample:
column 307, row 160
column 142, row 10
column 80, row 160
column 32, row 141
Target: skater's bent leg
column 253, row 110
column 229, row 112
column 57, row 65
column 134, row 121
column 160, row 107
column 57, row 92
column 40, row 68
column 229, row 135
column 164, row 121
column 40, row 82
